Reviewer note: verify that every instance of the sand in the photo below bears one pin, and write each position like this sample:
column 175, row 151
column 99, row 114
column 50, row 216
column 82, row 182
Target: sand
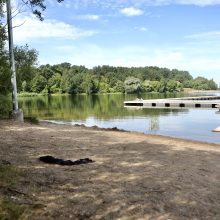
column 135, row 176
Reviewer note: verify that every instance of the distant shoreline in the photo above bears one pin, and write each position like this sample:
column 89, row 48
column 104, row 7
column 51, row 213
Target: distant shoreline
column 186, row 90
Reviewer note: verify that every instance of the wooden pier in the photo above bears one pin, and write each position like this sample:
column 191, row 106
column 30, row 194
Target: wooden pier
column 186, row 102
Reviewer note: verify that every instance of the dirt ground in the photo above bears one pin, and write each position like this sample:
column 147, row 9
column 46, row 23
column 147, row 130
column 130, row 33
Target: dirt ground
column 135, row 176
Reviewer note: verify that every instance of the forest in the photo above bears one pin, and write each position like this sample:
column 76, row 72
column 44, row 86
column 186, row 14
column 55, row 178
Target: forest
column 73, row 79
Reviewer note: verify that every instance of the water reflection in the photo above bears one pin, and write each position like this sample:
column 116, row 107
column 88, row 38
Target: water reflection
column 154, row 125
column 109, row 111
column 80, row 107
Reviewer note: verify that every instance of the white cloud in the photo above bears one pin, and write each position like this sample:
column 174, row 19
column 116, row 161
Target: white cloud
column 67, row 5
column 142, row 29
column 89, row 17
column 197, row 2
column 92, row 55
column 35, row 29
column 205, row 35
column 131, row 11
column 139, row 3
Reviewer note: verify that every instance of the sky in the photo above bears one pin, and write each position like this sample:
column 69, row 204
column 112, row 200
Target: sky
column 177, row 34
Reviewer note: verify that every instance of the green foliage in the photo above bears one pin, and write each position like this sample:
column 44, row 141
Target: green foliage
column 146, row 86
column 5, row 106
column 132, row 85
column 80, row 107
column 25, row 61
column 29, row 94
column 103, row 87
column 119, row 87
column 10, row 178
column 38, row 83
column 10, row 210
column 174, row 86
column 5, row 83
column 25, row 58
column 64, row 78
column 155, row 85
column 163, row 86
column 202, row 83
column 24, row 86
column 90, row 84
column 54, row 83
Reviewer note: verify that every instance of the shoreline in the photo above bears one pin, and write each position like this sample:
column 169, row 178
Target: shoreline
column 134, row 176
column 94, row 127
column 32, row 94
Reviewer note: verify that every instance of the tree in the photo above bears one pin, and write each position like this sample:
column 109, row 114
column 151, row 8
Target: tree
column 90, row 84
column 163, row 86
column 204, row 84
column 54, row 83
column 146, row 86
column 26, row 63
column 132, row 85
column 174, row 86
column 36, row 6
column 5, row 84
column 119, row 87
column 24, row 86
column 38, row 83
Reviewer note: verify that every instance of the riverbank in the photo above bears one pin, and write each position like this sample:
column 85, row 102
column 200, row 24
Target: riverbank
column 185, row 90
column 189, row 90
column 135, row 176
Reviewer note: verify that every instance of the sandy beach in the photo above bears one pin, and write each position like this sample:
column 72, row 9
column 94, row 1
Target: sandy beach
column 134, row 176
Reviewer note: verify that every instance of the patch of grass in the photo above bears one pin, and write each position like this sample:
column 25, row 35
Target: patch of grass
column 15, row 202
column 10, row 210
column 8, row 175
column 27, row 94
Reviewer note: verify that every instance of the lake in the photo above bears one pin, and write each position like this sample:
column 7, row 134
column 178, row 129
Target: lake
column 108, row 111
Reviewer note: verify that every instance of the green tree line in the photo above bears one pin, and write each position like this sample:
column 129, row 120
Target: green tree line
column 73, row 79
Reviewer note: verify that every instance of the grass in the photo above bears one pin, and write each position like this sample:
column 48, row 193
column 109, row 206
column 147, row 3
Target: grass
column 9, row 177
column 29, row 94
column 10, row 210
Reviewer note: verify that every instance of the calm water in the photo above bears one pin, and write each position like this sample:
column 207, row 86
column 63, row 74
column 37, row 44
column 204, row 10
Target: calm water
column 108, row 111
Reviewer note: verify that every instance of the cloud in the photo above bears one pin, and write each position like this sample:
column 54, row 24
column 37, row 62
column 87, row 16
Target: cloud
column 205, row 35
column 142, row 29
column 32, row 28
column 131, row 11
column 91, row 55
column 116, row 4
column 88, row 17
column 68, row 4
column 197, row 2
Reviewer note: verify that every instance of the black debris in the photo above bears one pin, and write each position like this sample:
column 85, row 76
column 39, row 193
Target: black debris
column 54, row 160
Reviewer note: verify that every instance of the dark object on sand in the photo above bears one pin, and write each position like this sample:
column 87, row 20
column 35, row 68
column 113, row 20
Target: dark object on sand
column 54, row 160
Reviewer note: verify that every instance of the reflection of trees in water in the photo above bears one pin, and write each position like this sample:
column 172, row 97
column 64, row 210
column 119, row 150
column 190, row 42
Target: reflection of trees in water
column 80, row 107
column 154, row 124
